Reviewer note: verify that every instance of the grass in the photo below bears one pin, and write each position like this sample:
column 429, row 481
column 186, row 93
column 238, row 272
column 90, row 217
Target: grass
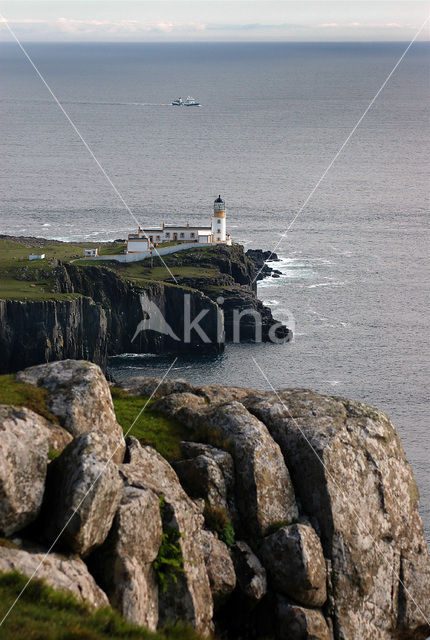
column 25, row 395
column 169, row 563
column 111, row 248
column 42, row 613
column 22, row 279
column 152, row 427
column 217, row 519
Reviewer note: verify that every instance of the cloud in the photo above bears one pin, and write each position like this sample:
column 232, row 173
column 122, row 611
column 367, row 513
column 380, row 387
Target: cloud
column 119, row 27
column 373, row 25
column 125, row 26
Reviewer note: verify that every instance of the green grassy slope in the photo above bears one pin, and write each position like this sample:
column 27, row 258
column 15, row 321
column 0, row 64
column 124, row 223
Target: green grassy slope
column 22, row 279
column 152, row 427
column 42, row 613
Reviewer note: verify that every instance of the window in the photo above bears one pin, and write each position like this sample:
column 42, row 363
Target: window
column 150, row 238
column 219, row 221
column 158, row 237
column 192, row 235
column 181, row 235
column 167, row 235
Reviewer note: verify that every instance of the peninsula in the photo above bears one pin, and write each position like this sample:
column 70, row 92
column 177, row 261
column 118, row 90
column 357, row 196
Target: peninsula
column 65, row 305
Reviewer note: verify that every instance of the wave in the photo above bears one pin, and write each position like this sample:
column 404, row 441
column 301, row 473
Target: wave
column 325, row 284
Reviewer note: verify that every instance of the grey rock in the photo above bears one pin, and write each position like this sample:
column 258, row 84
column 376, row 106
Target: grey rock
column 83, row 491
column 299, row 623
column 80, row 396
column 123, row 564
column 190, row 598
column 59, row 572
column 220, row 568
column 351, row 475
column 171, row 404
column 59, row 438
column 24, row 445
column 208, row 473
column 218, row 394
column 250, row 573
column 294, row 560
column 155, row 387
column 264, row 491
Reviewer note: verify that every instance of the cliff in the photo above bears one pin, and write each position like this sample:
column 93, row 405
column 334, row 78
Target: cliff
column 68, row 308
column 290, row 515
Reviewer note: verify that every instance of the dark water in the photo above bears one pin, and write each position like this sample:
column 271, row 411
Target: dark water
column 355, row 264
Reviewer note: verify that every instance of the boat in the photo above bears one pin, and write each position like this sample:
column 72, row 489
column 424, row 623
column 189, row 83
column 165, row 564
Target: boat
column 178, row 102
column 191, row 102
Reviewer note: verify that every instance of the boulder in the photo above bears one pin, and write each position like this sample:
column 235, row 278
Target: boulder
column 80, row 396
column 208, row 473
column 60, row 572
column 123, row 564
column 83, row 491
column 220, row 568
column 264, row 491
column 155, row 387
column 189, row 598
column 218, row 394
column 172, row 403
column 294, row 560
column 298, row 623
column 59, row 438
column 250, row 573
column 351, row 475
column 24, row 446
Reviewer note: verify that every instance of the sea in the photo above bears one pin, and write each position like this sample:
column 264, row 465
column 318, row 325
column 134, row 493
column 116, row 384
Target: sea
column 355, row 270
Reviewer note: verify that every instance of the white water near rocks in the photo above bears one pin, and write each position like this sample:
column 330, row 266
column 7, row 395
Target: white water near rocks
column 354, row 266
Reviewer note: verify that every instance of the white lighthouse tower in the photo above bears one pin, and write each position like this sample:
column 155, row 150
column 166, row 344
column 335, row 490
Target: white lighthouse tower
column 219, row 221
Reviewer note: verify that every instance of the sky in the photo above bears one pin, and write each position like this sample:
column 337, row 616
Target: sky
column 215, row 20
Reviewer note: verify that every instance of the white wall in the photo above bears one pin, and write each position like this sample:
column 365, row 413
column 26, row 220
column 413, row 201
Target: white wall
column 135, row 257
column 219, row 229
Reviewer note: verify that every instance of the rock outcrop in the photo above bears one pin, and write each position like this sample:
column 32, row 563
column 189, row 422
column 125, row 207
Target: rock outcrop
column 123, row 564
column 264, row 492
column 352, row 479
column 220, row 567
column 290, row 515
column 94, row 312
column 61, row 572
column 208, row 473
column 299, row 623
column 83, row 491
column 188, row 596
column 79, row 396
column 294, row 559
column 251, row 575
column 24, row 445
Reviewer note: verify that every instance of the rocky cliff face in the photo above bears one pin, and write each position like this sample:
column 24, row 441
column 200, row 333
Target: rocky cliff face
column 106, row 310
column 43, row 331
column 288, row 515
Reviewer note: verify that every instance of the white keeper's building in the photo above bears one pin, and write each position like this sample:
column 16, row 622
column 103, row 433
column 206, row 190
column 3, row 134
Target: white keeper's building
column 216, row 233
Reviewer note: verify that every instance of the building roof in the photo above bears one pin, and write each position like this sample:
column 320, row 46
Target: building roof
column 219, row 199
column 174, row 226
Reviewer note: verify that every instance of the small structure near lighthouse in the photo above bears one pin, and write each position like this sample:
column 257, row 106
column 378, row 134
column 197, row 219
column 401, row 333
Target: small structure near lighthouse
column 149, row 238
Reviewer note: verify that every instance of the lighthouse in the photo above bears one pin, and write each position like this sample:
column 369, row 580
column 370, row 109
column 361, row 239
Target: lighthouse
column 219, row 221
